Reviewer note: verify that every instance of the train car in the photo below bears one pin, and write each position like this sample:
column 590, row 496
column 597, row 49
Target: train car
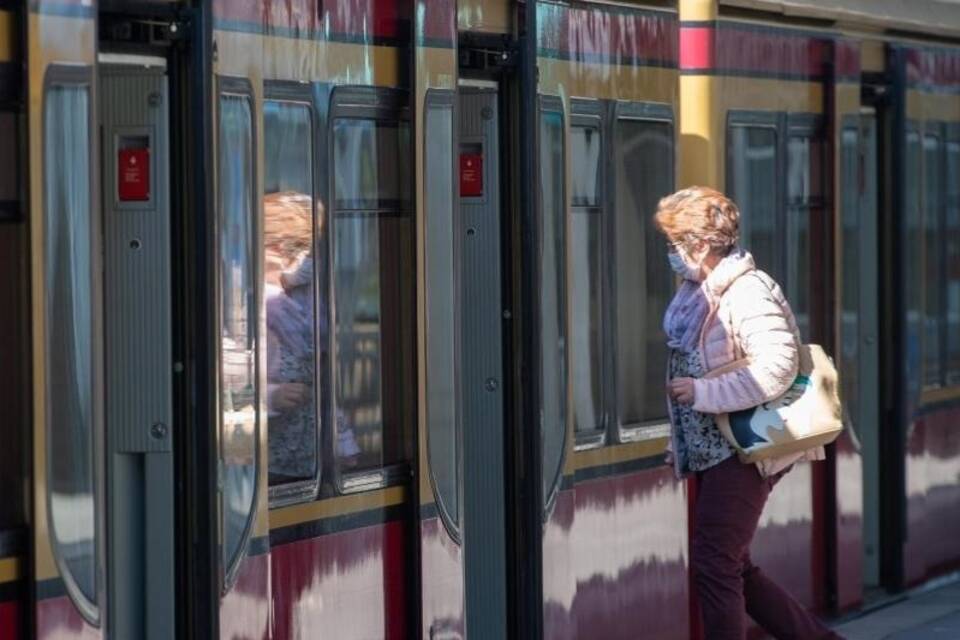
column 344, row 318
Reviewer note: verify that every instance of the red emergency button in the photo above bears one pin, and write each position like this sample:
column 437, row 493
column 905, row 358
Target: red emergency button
column 133, row 175
column 471, row 175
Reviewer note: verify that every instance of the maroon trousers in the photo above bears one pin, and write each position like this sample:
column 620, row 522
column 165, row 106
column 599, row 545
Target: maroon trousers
column 730, row 498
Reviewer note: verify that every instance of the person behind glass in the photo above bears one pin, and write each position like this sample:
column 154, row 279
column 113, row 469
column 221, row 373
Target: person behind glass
column 724, row 310
column 291, row 361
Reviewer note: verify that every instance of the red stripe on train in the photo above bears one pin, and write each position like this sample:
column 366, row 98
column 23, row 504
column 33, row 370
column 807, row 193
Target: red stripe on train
column 10, row 622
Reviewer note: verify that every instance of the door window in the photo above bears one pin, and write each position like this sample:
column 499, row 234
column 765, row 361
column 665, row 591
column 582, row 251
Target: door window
column 71, row 414
column 239, row 415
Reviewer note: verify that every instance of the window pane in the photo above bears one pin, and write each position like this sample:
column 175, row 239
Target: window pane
column 374, row 305
column 587, row 331
column 441, row 306
column 553, row 326
column 752, row 176
column 238, row 346
column 913, row 263
column 289, row 291
column 850, row 296
column 932, row 193
column 9, row 161
column 288, row 152
column 586, row 171
column 645, row 281
column 952, row 246
column 804, row 170
column 368, row 173
column 69, row 336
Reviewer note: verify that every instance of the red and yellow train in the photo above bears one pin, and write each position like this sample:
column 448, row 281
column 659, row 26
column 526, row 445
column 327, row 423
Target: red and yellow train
column 342, row 318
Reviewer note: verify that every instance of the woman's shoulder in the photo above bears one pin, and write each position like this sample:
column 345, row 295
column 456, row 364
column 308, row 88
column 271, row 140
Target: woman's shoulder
column 755, row 292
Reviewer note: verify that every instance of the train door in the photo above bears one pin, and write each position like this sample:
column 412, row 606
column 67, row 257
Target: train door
column 859, row 317
column 481, row 347
column 139, row 495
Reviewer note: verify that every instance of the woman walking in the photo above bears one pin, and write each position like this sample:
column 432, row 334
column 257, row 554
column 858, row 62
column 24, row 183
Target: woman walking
column 726, row 310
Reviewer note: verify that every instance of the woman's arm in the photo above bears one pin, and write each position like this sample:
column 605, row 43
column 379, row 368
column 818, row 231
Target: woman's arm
column 767, row 338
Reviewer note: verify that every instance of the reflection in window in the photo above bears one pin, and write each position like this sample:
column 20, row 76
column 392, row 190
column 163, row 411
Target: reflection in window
column 289, row 286
column 913, row 261
column 805, row 202
column 553, row 326
column 850, row 292
column 238, row 329
column 644, row 161
column 586, row 289
column 932, row 277
column 951, row 296
column 373, row 307
column 752, row 180
column 69, row 274
column 440, row 225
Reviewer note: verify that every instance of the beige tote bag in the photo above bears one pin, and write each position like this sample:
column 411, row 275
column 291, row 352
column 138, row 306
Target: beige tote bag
column 807, row 415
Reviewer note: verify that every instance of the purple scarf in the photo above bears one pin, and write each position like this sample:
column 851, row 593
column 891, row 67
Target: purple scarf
column 684, row 318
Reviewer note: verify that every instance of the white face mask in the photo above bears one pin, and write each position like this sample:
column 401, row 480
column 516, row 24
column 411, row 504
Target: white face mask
column 683, row 268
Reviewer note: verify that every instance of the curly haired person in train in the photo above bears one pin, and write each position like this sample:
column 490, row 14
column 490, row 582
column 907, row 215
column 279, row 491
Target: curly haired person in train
column 717, row 316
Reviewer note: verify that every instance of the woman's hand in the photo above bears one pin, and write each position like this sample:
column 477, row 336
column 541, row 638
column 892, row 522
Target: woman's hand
column 681, row 390
column 290, row 395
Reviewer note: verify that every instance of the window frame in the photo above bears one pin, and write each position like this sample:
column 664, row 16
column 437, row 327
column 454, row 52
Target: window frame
column 306, row 490
column 69, row 75
column 649, row 112
column 242, row 87
column 554, row 104
column 591, row 113
column 378, row 104
column 447, row 98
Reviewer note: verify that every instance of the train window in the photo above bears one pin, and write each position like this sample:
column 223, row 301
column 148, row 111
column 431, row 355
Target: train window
column 753, row 182
column 644, row 281
column 290, row 292
column 913, row 260
column 443, row 433
column 933, row 260
column 850, row 245
column 374, row 304
column 9, row 166
column 805, row 204
column 69, row 267
column 553, row 325
column 586, row 236
column 239, row 317
column 952, row 261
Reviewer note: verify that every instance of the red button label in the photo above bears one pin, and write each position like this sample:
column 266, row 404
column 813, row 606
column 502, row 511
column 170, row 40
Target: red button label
column 133, row 175
column 471, row 175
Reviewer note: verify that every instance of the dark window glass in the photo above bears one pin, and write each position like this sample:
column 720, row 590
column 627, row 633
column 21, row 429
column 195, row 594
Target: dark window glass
column 586, row 289
column 553, row 325
column 9, row 165
column 933, row 260
column 371, row 171
column 238, row 329
column 951, row 235
column 850, row 293
column 585, row 156
column 645, row 283
column 805, row 201
column 374, row 312
column 753, row 180
column 440, row 291
column 68, row 298
column 289, row 291
column 913, row 261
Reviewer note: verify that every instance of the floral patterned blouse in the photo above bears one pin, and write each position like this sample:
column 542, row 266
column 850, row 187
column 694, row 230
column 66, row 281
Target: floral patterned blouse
column 698, row 442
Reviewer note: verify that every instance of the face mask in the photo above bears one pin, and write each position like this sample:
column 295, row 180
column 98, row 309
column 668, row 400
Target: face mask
column 682, row 268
